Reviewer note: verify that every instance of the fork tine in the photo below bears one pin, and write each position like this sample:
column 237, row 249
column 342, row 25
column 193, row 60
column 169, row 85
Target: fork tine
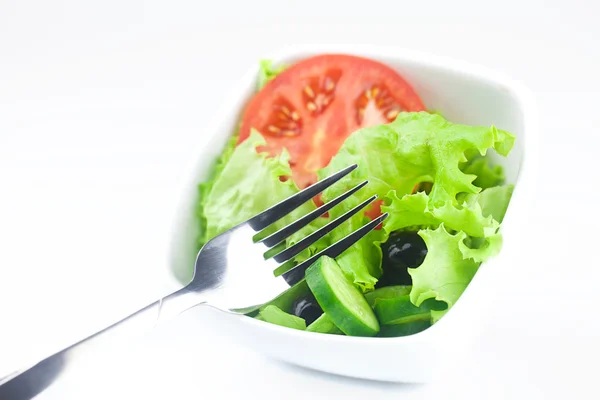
column 335, row 249
column 295, row 226
column 313, row 237
column 279, row 210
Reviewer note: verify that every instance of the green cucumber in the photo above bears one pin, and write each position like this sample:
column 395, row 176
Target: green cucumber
column 340, row 299
column 401, row 310
column 286, row 299
column 275, row 315
column 397, row 315
column 324, row 324
column 283, row 301
column 387, row 292
column 405, row 329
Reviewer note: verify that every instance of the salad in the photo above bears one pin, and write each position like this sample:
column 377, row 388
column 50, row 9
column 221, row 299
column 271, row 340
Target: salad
column 445, row 198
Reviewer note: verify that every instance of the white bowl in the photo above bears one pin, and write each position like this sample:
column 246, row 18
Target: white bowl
column 463, row 93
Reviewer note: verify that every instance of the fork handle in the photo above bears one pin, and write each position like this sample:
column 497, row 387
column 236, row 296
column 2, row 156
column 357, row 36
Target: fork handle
column 28, row 382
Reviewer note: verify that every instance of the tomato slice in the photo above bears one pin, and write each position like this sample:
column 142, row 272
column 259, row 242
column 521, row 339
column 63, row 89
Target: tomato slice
column 312, row 107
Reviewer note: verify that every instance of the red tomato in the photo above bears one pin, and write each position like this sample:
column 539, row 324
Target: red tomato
column 312, row 107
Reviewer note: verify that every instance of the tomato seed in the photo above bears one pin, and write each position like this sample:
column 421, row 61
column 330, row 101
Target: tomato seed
column 309, row 92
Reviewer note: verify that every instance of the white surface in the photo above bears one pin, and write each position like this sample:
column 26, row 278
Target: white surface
column 463, row 93
column 101, row 105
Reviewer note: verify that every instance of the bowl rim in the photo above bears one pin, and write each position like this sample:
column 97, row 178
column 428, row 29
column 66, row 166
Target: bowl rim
column 527, row 168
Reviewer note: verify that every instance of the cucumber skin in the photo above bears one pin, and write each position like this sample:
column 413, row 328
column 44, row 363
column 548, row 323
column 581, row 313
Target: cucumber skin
column 404, row 329
column 283, row 301
column 397, row 315
column 343, row 318
column 275, row 315
column 400, row 310
column 324, row 324
column 387, row 292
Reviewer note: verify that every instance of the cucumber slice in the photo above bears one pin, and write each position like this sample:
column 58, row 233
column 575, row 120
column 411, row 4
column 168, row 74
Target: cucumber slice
column 405, row 329
column 283, row 301
column 340, row 299
column 400, row 310
column 275, row 315
column 396, row 313
column 387, row 292
column 324, row 324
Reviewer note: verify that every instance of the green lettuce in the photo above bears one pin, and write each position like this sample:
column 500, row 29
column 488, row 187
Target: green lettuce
column 362, row 262
column 205, row 188
column 493, row 201
column 248, row 184
column 445, row 272
column 245, row 183
column 267, row 72
column 415, row 210
column 315, row 247
column 487, row 174
column 416, row 147
column 452, row 259
column 481, row 229
column 394, row 158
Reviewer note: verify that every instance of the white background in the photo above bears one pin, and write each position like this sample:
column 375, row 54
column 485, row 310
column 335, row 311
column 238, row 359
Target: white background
column 102, row 104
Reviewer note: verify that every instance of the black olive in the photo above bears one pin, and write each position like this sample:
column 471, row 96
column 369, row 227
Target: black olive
column 401, row 251
column 295, row 276
column 307, row 307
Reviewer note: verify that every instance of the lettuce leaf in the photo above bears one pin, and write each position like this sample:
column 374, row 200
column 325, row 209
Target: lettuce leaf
column 415, row 148
column 267, row 72
column 488, row 175
column 361, row 263
column 445, row 272
column 314, row 248
column 415, row 211
column 248, row 184
column 410, row 211
column 205, row 187
column 452, row 260
column 494, row 201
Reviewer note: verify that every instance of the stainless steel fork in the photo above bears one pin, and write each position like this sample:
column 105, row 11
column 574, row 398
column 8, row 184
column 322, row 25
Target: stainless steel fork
column 227, row 271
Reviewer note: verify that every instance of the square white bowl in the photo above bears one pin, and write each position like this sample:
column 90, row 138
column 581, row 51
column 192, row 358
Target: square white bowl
column 463, row 93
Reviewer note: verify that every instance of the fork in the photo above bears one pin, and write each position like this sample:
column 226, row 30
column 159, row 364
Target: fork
column 227, row 269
